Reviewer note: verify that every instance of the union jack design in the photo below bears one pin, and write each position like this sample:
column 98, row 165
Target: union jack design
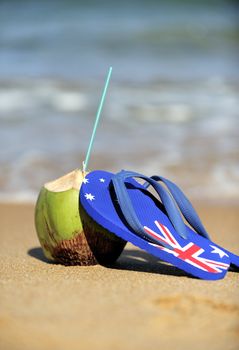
column 190, row 253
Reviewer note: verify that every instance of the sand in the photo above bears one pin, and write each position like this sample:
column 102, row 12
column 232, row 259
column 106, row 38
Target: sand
column 140, row 303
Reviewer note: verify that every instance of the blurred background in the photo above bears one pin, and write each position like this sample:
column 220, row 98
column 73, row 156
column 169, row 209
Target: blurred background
column 172, row 107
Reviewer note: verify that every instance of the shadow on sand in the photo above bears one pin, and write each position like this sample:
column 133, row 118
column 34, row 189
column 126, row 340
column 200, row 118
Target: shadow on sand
column 37, row 253
column 130, row 260
column 141, row 261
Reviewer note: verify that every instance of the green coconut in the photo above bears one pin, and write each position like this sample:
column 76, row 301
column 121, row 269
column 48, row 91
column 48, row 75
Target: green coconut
column 67, row 234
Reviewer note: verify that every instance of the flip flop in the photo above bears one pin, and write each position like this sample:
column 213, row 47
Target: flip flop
column 191, row 215
column 124, row 207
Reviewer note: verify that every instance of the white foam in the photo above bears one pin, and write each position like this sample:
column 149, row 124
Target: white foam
column 13, row 100
column 69, row 101
column 33, row 96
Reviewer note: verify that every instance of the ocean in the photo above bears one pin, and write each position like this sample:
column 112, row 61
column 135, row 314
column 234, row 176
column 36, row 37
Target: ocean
column 172, row 107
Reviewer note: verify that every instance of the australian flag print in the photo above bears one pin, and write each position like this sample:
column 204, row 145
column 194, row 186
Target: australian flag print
column 195, row 255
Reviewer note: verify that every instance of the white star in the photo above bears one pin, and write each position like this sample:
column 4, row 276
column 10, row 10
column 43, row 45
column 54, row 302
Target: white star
column 85, row 180
column 102, row 180
column 218, row 251
column 89, row 196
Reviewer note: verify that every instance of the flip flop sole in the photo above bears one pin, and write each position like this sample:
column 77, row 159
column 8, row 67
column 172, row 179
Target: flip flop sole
column 195, row 255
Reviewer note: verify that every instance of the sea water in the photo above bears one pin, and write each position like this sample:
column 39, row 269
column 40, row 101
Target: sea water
column 172, row 106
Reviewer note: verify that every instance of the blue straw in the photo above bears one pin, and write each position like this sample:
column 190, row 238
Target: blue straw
column 97, row 118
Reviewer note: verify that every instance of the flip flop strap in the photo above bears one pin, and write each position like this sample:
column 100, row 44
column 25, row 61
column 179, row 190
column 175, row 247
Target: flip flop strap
column 184, row 205
column 127, row 209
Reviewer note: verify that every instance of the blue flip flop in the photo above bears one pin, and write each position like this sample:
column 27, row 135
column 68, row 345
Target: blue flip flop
column 124, row 207
column 191, row 215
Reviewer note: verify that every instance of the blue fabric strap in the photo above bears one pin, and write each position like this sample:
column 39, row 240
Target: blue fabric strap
column 184, row 205
column 128, row 211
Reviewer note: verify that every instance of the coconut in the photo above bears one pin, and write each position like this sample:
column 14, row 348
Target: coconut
column 66, row 232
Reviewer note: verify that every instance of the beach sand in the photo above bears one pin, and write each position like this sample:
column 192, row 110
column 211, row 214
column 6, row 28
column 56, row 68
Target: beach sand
column 140, row 303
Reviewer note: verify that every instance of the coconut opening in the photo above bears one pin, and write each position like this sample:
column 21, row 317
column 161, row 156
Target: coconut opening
column 66, row 182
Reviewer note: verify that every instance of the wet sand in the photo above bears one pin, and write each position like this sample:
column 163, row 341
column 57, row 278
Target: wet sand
column 140, row 303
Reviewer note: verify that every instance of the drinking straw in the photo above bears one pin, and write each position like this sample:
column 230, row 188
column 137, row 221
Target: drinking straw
column 97, row 118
